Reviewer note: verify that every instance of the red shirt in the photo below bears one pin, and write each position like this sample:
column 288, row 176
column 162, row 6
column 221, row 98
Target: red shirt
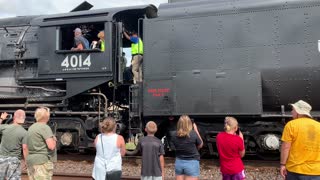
column 229, row 146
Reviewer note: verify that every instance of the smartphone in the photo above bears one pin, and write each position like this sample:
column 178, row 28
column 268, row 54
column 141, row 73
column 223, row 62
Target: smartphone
column 238, row 131
column 192, row 120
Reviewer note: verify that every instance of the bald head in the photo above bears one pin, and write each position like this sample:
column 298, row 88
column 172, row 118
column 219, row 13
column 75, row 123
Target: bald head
column 19, row 116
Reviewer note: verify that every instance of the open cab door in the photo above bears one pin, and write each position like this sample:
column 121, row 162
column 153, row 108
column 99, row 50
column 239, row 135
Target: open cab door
column 119, row 65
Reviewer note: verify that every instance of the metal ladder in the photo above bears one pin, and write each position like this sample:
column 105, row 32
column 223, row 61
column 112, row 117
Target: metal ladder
column 134, row 107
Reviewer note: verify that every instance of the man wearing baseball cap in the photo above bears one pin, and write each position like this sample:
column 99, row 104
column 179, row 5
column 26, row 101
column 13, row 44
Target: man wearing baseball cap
column 300, row 149
column 80, row 42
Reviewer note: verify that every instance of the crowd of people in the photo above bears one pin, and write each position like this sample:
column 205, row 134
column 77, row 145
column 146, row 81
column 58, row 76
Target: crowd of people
column 300, row 150
column 300, row 136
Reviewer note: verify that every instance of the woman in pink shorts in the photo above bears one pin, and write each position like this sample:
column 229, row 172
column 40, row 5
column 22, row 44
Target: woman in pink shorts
column 230, row 146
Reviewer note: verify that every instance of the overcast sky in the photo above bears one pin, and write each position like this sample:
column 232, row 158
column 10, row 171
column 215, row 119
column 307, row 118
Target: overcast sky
column 9, row 8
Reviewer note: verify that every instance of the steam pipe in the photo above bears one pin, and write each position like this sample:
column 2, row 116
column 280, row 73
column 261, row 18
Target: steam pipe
column 105, row 99
column 35, row 87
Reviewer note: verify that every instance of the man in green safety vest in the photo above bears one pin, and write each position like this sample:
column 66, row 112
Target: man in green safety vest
column 137, row 53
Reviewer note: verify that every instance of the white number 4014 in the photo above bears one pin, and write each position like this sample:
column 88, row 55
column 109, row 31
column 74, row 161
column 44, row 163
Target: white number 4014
column 74, row 61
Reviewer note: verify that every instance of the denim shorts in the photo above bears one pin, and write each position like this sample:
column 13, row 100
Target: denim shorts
column 187, row 167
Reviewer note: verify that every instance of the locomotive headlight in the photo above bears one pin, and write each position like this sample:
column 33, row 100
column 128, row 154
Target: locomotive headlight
column 271, row 142
column 66, row 139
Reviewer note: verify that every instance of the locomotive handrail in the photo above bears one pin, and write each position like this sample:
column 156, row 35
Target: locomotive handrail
column 35, row 87
column 85, row 113
column 26, row 105
column 22, row 35
column 276, row 115
column 76, row 51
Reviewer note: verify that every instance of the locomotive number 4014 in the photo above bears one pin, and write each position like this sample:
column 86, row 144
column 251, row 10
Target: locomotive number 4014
column 76, row 62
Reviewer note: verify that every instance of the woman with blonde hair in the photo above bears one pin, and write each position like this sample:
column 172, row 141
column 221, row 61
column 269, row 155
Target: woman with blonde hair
column 230, row 147
column 101, row 41
column 110, row 150
column 99, row 44
column 187, row 143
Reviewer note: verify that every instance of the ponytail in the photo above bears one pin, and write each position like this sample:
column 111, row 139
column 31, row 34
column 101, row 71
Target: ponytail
column 107, row 125
column 230, row 123
column 227, row 127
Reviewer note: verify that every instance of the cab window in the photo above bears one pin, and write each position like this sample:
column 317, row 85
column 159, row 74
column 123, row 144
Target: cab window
column 70, row 36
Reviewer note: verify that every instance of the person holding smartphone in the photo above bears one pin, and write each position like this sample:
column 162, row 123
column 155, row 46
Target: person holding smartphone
column 231, row 149
column 187, row 142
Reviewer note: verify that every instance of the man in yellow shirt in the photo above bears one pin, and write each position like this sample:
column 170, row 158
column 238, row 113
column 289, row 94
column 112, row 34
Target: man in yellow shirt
column 300, row 149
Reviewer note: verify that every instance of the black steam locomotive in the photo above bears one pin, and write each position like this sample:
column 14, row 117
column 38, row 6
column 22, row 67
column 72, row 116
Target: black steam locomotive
column 207, row 59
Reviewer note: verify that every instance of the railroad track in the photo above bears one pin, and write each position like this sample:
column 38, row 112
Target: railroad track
column 251, row 161
column 90, row 157
column 67, row 176
column 80, row 167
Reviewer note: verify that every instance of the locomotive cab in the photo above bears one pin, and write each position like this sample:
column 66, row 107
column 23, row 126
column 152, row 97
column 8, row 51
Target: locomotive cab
column 92, row 70
column 89, row 67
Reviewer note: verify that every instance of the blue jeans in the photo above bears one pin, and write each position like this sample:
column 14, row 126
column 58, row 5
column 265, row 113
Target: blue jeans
column 187, row 167
column 296, row 176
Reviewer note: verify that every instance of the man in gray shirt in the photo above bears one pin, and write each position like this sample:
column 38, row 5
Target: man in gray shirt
column 12, row 142
column 80, row 42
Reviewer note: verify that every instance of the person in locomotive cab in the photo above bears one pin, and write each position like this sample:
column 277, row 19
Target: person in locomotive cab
column 137, row 55
column 12, row 142
column 300, row 149
column 187, row 142
column 123, row 61
column 110, row 149
column 80, row 42
column 99, row 44
column 41, row 144
column 231, row 149
column 101, row 41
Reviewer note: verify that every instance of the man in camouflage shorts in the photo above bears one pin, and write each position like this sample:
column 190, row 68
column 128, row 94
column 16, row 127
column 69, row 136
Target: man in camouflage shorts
column 12, row 142
column 42, row 147
column 41, row 171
